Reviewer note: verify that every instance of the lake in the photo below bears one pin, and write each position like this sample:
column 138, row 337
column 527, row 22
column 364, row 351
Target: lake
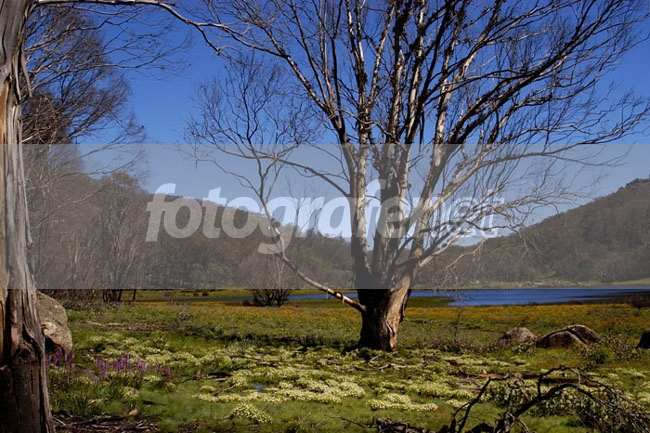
column 478, row 297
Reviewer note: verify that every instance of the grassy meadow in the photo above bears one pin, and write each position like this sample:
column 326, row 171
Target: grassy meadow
column 220, row 366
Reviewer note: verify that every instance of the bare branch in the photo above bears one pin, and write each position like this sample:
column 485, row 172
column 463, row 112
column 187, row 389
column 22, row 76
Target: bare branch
column 439, row 103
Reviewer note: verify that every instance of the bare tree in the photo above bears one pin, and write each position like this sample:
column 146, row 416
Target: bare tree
column 78, row 91
column 120, row 235
column 23, row 385
column 459, row 105
column 268, row 277
column 76, row 88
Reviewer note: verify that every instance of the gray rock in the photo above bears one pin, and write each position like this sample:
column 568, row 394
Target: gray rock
column 54, row 322
column 517, row 335
column 586, row 335
column 644, row 343
column 570, row 336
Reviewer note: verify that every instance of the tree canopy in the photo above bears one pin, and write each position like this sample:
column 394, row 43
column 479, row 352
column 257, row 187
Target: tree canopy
column 438, row 101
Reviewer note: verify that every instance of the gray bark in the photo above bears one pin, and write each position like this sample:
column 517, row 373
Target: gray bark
column 24, row 403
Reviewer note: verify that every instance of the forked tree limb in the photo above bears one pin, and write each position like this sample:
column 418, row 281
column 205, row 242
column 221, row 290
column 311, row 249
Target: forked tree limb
column 167, row 6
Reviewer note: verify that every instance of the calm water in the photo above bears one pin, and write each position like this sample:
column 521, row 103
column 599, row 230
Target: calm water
column 470, row 298
column 534, row 296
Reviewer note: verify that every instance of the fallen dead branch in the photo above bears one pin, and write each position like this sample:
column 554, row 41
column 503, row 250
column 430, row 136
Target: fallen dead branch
column 601, row 408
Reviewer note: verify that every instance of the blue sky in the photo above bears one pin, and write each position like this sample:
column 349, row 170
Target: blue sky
column 164, row 105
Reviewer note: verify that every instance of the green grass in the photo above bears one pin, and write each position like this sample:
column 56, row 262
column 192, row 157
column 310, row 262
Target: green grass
column 226, row 367
column 641, row 282
column 207, row 293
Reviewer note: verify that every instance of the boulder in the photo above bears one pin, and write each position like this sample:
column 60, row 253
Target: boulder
column 570, row 336
column 644, row 343
column 586, row 334
column 517, row 335
column 559, row 339
column 54, row 322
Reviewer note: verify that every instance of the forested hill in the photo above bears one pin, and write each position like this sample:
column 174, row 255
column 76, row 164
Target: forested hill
column 605, row 240
column 99, row 242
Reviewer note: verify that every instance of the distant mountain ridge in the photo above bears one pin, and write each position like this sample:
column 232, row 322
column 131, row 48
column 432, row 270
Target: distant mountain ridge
column 100, row 242
column 605, row 240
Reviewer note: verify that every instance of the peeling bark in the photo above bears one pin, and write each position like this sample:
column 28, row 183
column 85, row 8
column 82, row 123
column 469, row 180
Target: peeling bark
column 24, row 402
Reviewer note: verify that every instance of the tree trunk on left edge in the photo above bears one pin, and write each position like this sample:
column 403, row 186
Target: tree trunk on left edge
column 382, row 318
column 24, row 403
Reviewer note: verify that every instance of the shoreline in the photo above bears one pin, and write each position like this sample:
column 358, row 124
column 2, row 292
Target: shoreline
column 446, row 297
column 542, row 284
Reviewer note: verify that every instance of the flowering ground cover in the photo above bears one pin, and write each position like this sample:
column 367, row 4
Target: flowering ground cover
column 220, row 366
